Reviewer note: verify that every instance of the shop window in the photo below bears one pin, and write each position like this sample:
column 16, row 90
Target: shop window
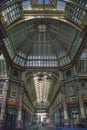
column 74, row 115
column 1, row 89
column 13, row 90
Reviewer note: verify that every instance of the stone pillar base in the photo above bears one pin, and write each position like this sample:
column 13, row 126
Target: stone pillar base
column 66, row 123
column 2, row 125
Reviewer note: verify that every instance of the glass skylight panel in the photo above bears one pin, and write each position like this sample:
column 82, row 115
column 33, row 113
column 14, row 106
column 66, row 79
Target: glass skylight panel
column 75, row 13
column 82, row 62
column 41, row 1
column 81, row 2
column 84, row 54
column 60, row 3
column 64, row 60
column 11, row 13
column 22, row 54
column 40, row 92
column 9, row 47
column 75, row 45
column 26, row 3
column 54, row 28
column 19, row 60
column 42, row 61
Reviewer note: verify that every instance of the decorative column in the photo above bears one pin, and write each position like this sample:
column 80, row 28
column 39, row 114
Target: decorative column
column 19, row 117
column 66, row 118
column 83, row 119
column 3, row 106
column 81, row 104
column 63, row 94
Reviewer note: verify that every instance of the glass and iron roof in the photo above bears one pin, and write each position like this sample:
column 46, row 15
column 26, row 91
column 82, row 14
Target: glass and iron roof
column 55, row 3
column 42, row 42
column 39, row 84
column 42, row 34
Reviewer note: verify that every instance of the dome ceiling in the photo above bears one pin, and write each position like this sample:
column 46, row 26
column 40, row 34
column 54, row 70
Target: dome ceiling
column 42, row 34
column 47, row 41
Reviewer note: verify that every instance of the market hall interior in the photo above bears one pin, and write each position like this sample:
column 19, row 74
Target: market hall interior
column 43, row 64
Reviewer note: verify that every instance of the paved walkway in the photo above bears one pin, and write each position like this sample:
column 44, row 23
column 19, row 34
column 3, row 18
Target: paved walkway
column 40, row 127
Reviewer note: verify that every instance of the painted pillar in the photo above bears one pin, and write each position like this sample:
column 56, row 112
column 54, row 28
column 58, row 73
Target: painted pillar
column 79, row 90
column 19, row 117
column 66, row 118
column 3, row 106
column 65, row 107
column 83, row 116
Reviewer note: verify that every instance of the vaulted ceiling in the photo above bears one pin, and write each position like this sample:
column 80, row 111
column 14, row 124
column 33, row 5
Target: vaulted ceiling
column 42, row 34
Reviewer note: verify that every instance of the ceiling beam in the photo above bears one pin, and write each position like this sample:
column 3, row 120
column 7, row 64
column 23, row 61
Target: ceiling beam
column 22, row 43
column 28, row 51
column 61, row 20
column 60, row 42
column 54, row 50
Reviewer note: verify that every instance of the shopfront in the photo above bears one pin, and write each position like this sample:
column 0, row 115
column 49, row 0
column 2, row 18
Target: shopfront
column 11, row 117
column 74, row 115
